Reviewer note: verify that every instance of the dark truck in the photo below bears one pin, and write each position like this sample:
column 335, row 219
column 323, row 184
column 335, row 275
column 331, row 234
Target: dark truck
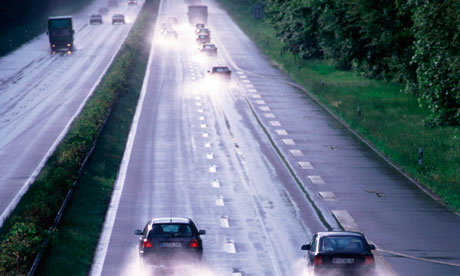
column 197, row 14
column 60, row 33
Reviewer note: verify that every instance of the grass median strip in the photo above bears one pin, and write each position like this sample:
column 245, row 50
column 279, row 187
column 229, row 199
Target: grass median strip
column 390, row 119
column 74, row 242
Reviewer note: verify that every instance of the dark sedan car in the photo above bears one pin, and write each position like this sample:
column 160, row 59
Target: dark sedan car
column 118, row 18
column 203, row 38
column 167, row 239
column 208, row 49
column 220, row 72
column 199, row 25
column 95, row 18
column 203, row 31
column 340, row 252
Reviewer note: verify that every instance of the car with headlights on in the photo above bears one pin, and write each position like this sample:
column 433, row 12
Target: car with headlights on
column 203, row 31
column 118, row 18
column 132, row 2
column 220, row 72
column 203, row 38
column 199, row 25
column 169, row 33
column 208, row 49
column 95, row 18
column 342, row 252
column 165, row 240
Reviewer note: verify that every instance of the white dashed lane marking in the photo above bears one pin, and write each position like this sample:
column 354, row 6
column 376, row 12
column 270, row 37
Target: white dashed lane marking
column 260, row 102
column 275, row 123
column 305, row 165
column 253, row 90
column 269, row 115
column 288, row 142
column 248, row 85
column 239, row 72
column 209, row 156
column 205, row 135
column 345, row 219
column 200, row 110
column 256, row 96
column 213, row 169
column 207, row 145
column 201, row 118
column 281, row 132
column 219, row 201
column 229, row 247
column 264, row 108
column 327, row 196
column 224, row 222
column 296, row 152
column 215, row 183
column 316, row 179
column 203, row 125
column 246, row 81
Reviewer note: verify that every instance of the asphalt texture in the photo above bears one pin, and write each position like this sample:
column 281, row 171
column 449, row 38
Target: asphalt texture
column 41, row 93
column 261, row 167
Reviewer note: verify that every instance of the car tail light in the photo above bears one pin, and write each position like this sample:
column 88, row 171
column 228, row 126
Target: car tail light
column 318, row 260
column 68, row 44
column 369, row 260
column 194, row 243
column 147, row 243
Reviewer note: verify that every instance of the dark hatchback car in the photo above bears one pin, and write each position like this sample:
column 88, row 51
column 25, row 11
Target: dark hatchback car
column 203, row 38
column 221, row 72
column 169, row 239
column 95, row 18
column 208, row 49
column 347, row 253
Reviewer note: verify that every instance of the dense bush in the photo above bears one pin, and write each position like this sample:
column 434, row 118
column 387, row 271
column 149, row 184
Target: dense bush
column 409, row 41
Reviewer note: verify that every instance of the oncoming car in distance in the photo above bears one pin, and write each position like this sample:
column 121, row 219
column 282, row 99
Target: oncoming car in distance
column 208, row 49
column 132, row 2
column 203, row 38
column 95, row 18
column 220, row 72
column 169, row 239
column 340, row 252
column 118, row 18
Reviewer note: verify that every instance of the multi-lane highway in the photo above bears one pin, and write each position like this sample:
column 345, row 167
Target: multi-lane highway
column 41, row 93
column 254, row 161
column 261, row 167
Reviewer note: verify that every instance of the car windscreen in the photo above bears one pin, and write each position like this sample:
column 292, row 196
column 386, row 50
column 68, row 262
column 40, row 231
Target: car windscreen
column 60, row 32
column 170, row 230
column 220, row 69
column 341, row 244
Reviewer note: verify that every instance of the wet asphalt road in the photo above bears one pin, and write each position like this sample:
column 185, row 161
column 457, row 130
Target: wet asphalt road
column 40, row 94
column 261, row 167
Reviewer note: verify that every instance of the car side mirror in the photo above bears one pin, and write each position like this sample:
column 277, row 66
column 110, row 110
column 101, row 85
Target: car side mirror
column 305, row 247
column 138, row 232
column 202, row 232
column 371, row 247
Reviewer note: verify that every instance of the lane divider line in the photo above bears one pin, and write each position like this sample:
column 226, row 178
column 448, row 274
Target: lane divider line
column 229, row 247
column 288, row 142
column 296, row 152
column 275, row 123
column 215, row 183
column 269, row 115
column 109, row 221
column 305, row 165
column 260, row 102
column 328, row 196
column 316, row 179
column 224, row 222
column 220, row 201
column 281, row 132
column 264, row 108
column 348, row 224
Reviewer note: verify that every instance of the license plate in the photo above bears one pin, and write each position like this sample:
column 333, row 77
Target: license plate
column 171, row 244
column 343, row 260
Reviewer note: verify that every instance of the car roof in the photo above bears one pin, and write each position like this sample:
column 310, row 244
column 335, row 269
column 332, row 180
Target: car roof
column 340, row 233
column 60, row 17
column 170, row 220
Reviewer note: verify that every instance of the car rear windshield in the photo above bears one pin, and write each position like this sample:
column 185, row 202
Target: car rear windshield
column 220, row 69
column 342, row 243
column 170, row 230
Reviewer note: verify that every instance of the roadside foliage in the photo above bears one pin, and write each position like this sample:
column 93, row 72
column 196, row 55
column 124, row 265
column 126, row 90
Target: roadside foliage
column 414, row 42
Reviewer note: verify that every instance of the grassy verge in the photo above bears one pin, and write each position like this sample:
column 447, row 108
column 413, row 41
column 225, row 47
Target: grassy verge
column 25, row 229
column 390, row 119
column 72, row 249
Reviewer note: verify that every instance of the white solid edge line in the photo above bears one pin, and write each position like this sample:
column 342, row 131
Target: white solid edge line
column 25, row 187
column 104, row 239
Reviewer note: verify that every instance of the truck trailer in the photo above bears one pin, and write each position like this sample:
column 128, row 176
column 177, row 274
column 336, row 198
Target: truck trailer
column 60, row 32
column 197, row 14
